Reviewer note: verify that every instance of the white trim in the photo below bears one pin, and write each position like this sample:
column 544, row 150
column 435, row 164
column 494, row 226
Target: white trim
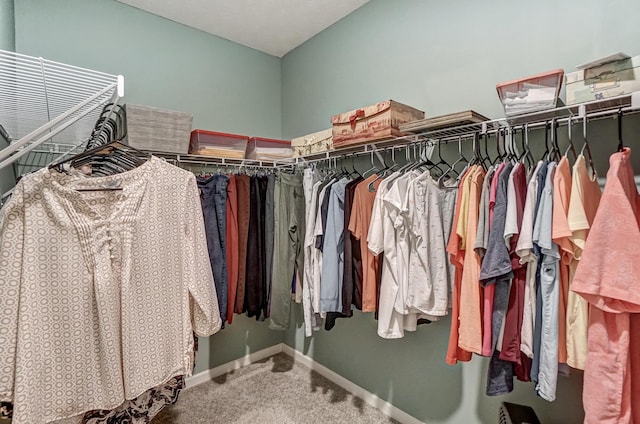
column 373, row 400
column 248, row 359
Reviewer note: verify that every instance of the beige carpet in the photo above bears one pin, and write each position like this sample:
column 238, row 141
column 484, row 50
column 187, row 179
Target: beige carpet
column 276, row 390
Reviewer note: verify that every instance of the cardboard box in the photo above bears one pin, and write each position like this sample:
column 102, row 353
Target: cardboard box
column 372, row 123
column 316, row 142
column 603, row 82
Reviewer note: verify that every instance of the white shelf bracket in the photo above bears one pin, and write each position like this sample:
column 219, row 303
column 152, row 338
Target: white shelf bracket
column 635, row 100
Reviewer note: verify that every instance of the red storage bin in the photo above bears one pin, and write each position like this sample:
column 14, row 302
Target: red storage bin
column 268, row 149
column 211, row 143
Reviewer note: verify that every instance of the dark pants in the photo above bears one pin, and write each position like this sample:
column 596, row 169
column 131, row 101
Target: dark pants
column 255, row 293
column 244, row 204
column 214, row 208
column 232, row 246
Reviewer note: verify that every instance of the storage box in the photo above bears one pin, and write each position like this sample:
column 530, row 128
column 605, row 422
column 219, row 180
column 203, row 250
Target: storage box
column 316, row 142
column 372, row 123
column 158, row 130
column 531, row 94
column 268, row 149
column 604, row 81
column 223, row 145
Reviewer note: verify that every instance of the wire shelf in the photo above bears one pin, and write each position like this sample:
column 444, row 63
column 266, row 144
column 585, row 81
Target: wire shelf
column 49, row 108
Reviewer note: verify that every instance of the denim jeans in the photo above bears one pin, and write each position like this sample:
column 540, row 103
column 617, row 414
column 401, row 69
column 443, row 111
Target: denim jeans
column 213, row 197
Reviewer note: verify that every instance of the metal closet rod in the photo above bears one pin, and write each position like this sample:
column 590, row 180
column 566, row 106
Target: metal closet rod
column 213, row 161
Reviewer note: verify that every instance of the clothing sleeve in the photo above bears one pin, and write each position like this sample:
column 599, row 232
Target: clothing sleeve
column 355, row 223
column 525, row 243
column 409, row 212
column 203, row 300
column 11, row 251
column 395, row 198
column 375, row 238
column 511, row 223
column 483, row 221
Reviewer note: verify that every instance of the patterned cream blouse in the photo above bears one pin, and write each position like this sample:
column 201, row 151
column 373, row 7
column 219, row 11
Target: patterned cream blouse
column 100, row 291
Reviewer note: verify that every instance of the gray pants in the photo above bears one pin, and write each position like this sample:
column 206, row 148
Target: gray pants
column 288, row 242
column 268, row 236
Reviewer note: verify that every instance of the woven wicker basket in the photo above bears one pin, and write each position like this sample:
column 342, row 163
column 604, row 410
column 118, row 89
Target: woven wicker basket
column 158, row 130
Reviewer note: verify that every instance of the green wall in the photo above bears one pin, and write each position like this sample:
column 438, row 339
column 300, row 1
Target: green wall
column 445, row 56
column 438, row 56
column 442, row 57
column 165, row 64
column 7, row 42
column 226, row 86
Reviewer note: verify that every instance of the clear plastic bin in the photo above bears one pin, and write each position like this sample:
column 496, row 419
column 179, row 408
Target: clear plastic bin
column 269, row 149
column 531, row 94
column 211, row 143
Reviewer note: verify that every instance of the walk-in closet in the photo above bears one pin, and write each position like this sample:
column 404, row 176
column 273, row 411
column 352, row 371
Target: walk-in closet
column 345, row 211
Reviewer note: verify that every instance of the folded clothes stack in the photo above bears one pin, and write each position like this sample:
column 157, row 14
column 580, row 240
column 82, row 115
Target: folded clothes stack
column 532, row 96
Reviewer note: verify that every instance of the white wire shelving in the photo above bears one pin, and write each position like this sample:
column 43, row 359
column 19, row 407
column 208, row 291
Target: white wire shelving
column 579, row 113
column 49, row 108
column 583, row 113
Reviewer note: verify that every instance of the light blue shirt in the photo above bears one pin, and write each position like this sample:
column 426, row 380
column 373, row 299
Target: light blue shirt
column 333, row 251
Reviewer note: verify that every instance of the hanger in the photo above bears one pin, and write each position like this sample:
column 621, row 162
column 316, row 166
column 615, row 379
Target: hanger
column 499, row 156
column 554, row 153
column 620, row 143
column 354, row 172
column 110, row 159
column 461, row 158
column 486, row 159
column 110, row 126
column 547, row 151
column 587, row 147
column 381, row 173
column 371, row 170
column 571, row 147
column 526, row 152
column 476, row 159
column 510, row 146
column 426, row 162
column 441, row 161
column 410, row 162
column 394, row 165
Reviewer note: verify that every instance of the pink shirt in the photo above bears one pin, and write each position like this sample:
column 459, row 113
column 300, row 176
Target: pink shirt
column 561, row 234
column 607, row 277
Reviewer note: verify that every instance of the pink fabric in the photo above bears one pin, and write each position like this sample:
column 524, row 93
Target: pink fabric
column 561, row 234
column 470, row 327
column 607, row 277
column 456, row 257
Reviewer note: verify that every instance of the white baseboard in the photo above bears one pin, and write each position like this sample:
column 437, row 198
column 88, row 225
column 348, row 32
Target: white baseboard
column 204, row 376
column 373, row 400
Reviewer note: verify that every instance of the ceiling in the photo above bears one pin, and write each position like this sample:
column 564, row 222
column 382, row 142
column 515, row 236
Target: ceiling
column 272, row 26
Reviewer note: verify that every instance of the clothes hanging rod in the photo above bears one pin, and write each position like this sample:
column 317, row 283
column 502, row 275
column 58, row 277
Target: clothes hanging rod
column 219, row 161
